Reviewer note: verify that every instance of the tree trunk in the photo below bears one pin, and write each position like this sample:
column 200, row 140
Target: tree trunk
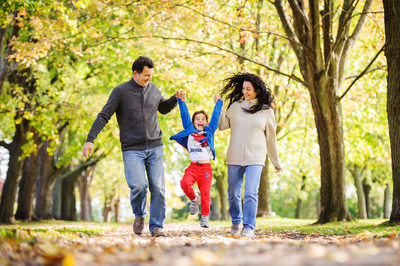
column 367, row 189
column 116, row 209
column 300, row 200
column 386, row 202
column 27, row 188
column 84, row 184
column 215, row 213
column 47, row 175
column 392, row 52
column 328, row 119
column 107, row 211
column 264, row 201
column 68, row 181
column 322, row 58
column 68, row 207
column 220, row 181
column 358, row 175
column 13, row 173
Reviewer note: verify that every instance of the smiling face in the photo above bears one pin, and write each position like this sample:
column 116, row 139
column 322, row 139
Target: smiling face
column 143, row 78
column 248, row 91
column 199, row 121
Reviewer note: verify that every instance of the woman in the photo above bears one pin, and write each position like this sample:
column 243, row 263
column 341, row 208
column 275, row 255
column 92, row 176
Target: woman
column 252, row 123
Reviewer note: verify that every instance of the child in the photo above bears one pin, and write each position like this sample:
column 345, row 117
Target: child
column 198, row 139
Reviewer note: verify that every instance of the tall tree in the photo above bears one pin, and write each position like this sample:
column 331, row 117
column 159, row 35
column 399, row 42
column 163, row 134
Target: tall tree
column 322, row 56
column 392, row 52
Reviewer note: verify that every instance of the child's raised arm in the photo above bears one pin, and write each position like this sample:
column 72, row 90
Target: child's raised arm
column 186, row 121
column 216, row 113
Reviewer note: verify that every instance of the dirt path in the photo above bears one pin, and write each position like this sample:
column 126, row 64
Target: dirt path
column 188, row 244
column 191, row 245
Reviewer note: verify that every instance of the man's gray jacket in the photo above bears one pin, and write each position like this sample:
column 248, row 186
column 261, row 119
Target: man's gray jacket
column 136, row 107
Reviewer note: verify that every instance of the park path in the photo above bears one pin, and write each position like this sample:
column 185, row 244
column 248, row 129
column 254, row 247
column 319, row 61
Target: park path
column 188, row 244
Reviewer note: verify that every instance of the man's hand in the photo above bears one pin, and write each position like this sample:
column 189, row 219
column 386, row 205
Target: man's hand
column 87, row 149
column 181, row 94
column 216, row 98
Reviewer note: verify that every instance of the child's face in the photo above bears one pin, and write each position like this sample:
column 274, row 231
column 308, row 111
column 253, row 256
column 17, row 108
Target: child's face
column 200, row 121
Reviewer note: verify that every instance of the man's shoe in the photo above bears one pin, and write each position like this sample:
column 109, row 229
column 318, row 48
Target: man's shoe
column 138, row 225
column 235, row 229
column 194, row 205
column 204, row 221
column 158, row 232
column 247, row 232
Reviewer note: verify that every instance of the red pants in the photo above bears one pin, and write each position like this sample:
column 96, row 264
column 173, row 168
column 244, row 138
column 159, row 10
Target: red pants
column 202, row 174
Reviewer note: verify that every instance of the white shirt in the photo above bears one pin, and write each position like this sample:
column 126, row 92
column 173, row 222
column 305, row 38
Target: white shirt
column 196, row 151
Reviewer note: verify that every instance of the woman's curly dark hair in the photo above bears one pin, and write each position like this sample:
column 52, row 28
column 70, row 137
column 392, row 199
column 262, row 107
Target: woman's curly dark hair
column 232, row 91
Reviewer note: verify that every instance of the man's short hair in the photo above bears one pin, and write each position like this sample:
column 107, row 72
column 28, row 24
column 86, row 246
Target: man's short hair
column 141, row 62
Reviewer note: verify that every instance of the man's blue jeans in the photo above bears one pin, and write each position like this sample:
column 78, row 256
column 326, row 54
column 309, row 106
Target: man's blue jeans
column 235, row 183
column 137, row 164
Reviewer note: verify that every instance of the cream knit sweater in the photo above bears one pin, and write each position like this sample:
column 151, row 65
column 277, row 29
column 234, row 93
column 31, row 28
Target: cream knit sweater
column 252, row 135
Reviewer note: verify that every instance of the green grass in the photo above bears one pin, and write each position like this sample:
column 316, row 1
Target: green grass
column 371, row 227
column 53, row 229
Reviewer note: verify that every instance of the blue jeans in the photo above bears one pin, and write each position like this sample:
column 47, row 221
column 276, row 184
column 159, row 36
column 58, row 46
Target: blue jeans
column 137, row 164
column 235, row 183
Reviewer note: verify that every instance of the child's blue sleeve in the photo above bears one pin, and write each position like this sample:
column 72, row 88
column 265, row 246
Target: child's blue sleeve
column 215, row 116
column 186, row 121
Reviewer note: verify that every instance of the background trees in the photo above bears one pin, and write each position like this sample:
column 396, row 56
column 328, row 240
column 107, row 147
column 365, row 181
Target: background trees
column 61, row 60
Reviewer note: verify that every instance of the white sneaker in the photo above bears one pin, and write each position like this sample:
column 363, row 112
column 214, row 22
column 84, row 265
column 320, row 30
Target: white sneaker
column 235, row 229
column 194, row 205
column 204, row 221
column 247, row 232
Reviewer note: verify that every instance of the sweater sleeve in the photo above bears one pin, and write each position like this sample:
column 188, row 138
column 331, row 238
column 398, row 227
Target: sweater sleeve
column 270, row 135
column 224, row 122
column 104, row 116
column 166, row 105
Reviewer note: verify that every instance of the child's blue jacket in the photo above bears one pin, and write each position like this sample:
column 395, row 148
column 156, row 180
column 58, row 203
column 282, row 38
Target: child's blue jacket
column 182, row 137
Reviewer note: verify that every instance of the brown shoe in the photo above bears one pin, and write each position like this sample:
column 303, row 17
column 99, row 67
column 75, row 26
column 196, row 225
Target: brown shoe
column 138, row 225
column 158, row 232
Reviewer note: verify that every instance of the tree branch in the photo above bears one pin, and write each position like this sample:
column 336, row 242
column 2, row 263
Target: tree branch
column 292, row 76
column 361, row 74
column 5, row 145
column 369, row 71
column 258, row 32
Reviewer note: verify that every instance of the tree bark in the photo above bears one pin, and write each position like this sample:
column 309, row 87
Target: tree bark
column 27, row 188
column 264, row 201
column 116, row 209
column 47, row 175
column 299, row 205
column 367, row 189
column 220, row 181
column 386, row 202
column 84, row 184
column 13, row 173
column 392, row 52
column 322, row 59
column 358, row 175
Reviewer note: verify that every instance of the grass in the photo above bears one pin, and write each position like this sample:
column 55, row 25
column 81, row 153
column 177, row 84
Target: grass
column 56, row 228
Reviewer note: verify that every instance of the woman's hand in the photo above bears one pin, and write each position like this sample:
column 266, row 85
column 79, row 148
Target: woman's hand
column 278, row 169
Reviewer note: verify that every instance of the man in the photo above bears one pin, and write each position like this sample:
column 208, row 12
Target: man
column 136, row 103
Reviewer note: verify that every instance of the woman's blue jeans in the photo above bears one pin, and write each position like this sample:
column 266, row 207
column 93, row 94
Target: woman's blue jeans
column 137, row 164
column 235, row 182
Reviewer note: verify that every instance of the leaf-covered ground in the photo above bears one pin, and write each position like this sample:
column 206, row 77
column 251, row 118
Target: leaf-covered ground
column 187, row 244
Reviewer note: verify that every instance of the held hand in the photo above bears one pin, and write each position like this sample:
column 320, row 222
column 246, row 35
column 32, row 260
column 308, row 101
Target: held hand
column 87, row 149
column 216, row 98
column 277, row 169
column 181, row 94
